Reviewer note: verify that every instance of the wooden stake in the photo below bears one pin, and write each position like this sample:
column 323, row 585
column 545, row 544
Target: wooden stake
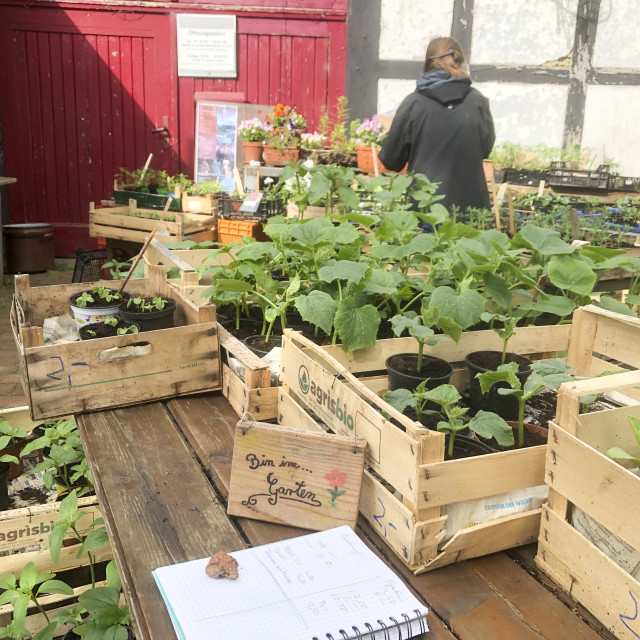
column 135, row 262
column 238, row 181
column 512, row 222
column 168, row 204
column 540, row 188
column 146, row 166
column 375, row 160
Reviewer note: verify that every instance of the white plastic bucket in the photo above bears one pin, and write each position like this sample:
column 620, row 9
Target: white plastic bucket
column 86, row 315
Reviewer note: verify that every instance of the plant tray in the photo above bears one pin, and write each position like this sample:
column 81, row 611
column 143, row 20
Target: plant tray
column 407, row 484
column 523, row 177
column 236, row 230
column 149, row 200
column 620, row 183
column 117, row 224
column 229, row 208
column 587, row 562
column 75, row 377
column 561, row 176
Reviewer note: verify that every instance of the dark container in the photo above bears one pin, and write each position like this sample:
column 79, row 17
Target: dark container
column 160, row 319
column 257, row 344
column 505, row 406
column 4, row 486
column 29, row 247
column 400, row 380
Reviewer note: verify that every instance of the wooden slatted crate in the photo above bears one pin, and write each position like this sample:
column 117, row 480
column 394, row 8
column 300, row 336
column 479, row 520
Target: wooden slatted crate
column 109, row 372
column 585, row 483
column 117, row 224
column 408, row 483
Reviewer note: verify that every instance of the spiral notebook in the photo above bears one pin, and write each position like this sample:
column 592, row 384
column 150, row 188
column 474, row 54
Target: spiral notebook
column 325, row 585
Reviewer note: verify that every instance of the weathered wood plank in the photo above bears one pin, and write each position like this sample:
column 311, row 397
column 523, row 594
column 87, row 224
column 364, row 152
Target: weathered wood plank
column 159, row 506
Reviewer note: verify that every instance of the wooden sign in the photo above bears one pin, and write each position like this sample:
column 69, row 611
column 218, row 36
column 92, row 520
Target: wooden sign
column 299, row 478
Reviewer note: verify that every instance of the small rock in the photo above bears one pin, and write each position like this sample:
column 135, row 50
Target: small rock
column 222, row 565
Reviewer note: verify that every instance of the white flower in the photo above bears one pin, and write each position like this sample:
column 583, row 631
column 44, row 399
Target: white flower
column 254, row 163
column 268, row 180
column 308, row 163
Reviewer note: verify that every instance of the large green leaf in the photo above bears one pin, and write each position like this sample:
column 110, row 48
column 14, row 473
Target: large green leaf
column 611, row 304
column 444, row 395
column 344, row 234
column 315, row 232
column 256, row 251
column 618, row 453
column 357, row 326
column 569, row 273
column 464, row 308
column 349, row 197
column 505, row 373
column 402, row 220
column 342, row 270
column 319, row 308
column 382, row 281
column 400, row 399
column 233, row 286
column 490, row 425
column 95, row 539
column 449, row 327
column 497, row 289
column 319, row 189
column 55, row 586
column 99, row 598
column 557, row 305
column 544, row 241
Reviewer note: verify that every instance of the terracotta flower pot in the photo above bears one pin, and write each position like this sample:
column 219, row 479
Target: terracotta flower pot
column 365, row 161
column 252, row 152
column 280, row 157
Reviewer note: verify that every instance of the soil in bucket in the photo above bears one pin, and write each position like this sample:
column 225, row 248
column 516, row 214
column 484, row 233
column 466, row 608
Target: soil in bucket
column 149, row 319
column 261, row 348
column 403, row 373
column 466, row 447
column 481, row 362
column 103, row 330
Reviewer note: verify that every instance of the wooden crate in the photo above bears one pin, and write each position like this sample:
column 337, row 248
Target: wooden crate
column 187, row 261
column 202, row 204
column 115, row 223
column 407, row 480
column 580, row 475
column 110, row 372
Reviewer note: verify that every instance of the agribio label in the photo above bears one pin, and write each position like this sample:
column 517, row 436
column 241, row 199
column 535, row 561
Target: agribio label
column 322, row 401
column 32, row 534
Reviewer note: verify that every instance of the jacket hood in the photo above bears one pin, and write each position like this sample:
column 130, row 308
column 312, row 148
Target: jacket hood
column 440, row 86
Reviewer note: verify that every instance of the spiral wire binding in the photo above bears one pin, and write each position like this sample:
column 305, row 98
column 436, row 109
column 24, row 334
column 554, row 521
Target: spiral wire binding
column 385, row 629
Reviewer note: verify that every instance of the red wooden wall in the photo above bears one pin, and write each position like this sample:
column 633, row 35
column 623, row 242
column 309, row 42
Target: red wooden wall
column 83, row 87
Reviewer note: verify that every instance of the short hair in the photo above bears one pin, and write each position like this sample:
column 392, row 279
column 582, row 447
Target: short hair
column 453, row 60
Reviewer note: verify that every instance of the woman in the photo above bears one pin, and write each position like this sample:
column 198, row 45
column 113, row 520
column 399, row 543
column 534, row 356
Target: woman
column 444, row 129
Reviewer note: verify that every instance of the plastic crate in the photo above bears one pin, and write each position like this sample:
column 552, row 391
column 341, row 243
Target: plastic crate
column 229, row 208
column 523, row 177
column 621, row 183
column 559, row 175
column 88, row 267
column 231, row 230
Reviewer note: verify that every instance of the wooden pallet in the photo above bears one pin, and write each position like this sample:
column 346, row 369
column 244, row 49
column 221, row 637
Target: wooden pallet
column 581, row 475
column 109, row 372
column 117, row 224
column 407, row 481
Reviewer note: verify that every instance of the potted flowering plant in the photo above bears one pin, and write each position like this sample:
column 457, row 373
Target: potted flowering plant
column 313, row 140
column 253, row 133
column 369, row 135
column 287, row 117
column 281, row 147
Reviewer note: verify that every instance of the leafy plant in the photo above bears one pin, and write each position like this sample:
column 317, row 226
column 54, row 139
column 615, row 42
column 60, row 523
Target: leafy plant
column 620, row 454
column 140, row 304
column 83, row 299
column 205, row 188
column 118, row 269
column 547, row 374
column 254, row 130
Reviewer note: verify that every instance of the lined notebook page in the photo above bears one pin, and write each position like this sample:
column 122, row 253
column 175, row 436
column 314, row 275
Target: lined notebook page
column 296, row 589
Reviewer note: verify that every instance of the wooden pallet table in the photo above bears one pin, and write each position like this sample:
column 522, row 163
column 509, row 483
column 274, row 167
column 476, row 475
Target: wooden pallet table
column 164, row 500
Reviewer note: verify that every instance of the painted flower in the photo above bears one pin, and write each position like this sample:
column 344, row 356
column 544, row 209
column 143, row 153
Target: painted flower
column 336, row 478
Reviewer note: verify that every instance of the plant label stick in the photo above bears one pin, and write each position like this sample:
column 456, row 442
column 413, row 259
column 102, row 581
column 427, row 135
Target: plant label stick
column 146, row 166
column 169, row 201
column 238, row 181
column 375, row 160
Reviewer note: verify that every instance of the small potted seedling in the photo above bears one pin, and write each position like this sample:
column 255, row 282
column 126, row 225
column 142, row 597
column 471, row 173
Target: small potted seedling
column 545, row 374
column 149, row 313
column 408, row 370
column 95, row 304
column 12, row 440
column 108, row 328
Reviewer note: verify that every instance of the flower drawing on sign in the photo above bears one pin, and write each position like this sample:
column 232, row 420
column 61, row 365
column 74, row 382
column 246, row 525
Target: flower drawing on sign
column 336, row 479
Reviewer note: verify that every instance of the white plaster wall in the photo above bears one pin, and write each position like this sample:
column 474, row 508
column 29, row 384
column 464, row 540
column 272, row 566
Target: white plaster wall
column 392, row 92
column 406, row 26
column 612, row 127
column 617, row 42
column 527, row 114
column 510, row 32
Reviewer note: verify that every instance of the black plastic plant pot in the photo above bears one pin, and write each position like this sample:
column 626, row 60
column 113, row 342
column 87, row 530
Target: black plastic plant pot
column 4, row 486
column 247, row 327
column 261, row 348
column 102, row 330
column 481, row 362
column 403, row 374
column 466, row 447
column 150, row 320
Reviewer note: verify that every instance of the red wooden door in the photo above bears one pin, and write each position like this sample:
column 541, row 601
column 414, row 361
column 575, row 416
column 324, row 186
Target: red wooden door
column 81, row 93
